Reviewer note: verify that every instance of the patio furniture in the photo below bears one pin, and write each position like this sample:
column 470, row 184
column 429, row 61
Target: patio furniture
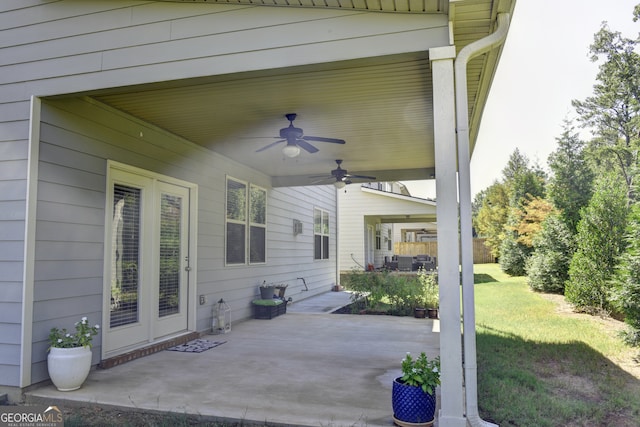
column 268, row 309
column 405, row 263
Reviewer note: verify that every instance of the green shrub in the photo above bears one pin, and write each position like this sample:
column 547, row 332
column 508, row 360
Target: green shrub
column 401, row 293
column 548, row 266
column 367, row 286
column 513, row 256
column 626, row 294
column 599, row 242
column 429, row 289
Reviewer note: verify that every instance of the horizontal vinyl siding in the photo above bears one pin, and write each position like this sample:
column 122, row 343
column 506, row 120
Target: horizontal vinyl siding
column 77, row 138
column 14, row 132
column 354, row 205
column 352, row 208
column 70, row 46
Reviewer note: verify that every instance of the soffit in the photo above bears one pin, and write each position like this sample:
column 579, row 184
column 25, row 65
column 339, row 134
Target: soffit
column 394, row 6
column 380, row 106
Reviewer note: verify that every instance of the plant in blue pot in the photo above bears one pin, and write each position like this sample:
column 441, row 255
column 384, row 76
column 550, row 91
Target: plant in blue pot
column 414, row 393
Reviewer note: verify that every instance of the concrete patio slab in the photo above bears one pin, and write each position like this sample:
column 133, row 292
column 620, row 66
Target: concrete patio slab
column 300, row 369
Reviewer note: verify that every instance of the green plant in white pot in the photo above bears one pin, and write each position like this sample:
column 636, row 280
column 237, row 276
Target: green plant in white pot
column 69, row 359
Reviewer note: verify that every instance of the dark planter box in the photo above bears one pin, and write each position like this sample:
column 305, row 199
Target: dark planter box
column 269, row 311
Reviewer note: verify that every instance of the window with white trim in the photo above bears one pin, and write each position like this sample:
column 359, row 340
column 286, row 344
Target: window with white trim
column 320, row 234
column 246, row 223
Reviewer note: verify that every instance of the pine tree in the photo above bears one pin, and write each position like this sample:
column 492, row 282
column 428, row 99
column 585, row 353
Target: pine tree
column 572, row 179
column 599, row 243
column 548, row 266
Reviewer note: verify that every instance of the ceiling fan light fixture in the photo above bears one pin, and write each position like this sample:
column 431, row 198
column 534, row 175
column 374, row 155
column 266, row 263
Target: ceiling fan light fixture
column 340, row 184
column 291, row 151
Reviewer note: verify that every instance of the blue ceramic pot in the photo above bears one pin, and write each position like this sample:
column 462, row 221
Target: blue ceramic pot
column 411, row 404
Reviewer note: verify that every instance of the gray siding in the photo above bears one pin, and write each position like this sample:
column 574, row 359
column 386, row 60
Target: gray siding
column 357, row 207
column 78, row 137
column 62, row 47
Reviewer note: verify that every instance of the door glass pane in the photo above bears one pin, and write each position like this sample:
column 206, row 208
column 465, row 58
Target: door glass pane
column 125, row 259
column 170, row 225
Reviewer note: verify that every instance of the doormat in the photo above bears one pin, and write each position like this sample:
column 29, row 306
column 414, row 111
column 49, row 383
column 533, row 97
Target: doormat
column 196, row 346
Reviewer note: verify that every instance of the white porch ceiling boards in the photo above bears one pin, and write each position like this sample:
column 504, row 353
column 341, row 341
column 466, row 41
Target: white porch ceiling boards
column 381, row 108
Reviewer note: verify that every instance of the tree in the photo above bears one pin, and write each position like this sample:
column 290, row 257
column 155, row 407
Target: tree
column 522, row 179
column 532, row 215
column 513, row 255
column 548, row 266
column 524, row 183
column 572, row 178
column 613, row 112
column 626, row 297
column 492, row 216
column 599, row 243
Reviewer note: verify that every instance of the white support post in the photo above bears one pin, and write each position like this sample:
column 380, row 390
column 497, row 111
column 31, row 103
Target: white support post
column 452, row 390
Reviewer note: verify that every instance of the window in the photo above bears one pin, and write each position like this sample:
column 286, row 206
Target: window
column 246, row 210
column 320, row 234
column 378, row 237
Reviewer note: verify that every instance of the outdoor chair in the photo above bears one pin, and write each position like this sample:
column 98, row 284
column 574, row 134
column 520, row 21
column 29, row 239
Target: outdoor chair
column 405, row 263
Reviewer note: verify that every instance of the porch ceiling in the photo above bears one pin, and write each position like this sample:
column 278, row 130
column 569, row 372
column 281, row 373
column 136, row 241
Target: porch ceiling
column 381, row 107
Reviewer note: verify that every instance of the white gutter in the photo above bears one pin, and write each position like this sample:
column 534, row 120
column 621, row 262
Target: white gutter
column 466, row 237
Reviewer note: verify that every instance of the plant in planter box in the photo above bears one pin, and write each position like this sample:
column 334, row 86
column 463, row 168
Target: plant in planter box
column 267, row 290
column 69, row 359
column 429, row 291
column 414, row 393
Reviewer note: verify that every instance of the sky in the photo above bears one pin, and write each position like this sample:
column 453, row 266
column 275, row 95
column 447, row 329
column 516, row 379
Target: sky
column 544, row 65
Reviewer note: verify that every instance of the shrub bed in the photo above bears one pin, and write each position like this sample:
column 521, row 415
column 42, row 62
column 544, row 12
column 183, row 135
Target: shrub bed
column 397, row 294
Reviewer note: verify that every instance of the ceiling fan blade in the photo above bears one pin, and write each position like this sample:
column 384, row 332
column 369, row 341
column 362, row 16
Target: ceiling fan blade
column 260, row 137
column 361, row 177
column 269, row 145
column 304, row 144
column 324, row 178
column 321, row 139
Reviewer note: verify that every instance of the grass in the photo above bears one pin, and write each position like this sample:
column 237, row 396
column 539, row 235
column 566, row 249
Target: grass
column 538, row 367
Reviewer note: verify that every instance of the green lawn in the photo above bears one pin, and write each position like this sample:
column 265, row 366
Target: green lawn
column 538, row 367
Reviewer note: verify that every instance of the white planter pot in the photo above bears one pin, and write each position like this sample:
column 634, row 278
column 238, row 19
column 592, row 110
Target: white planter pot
column 69, row 367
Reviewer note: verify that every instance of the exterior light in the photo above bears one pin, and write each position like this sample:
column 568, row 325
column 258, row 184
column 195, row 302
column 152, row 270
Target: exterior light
column 291, row 150
column 221, row 318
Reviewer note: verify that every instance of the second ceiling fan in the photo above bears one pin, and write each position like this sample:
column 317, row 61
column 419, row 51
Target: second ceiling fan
column 342, row 176
column 295, row 139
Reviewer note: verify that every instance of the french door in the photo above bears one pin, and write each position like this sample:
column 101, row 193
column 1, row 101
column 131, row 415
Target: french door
column 148, row 269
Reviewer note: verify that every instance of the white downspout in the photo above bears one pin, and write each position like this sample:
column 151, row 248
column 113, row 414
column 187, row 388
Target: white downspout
column 466, row 237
